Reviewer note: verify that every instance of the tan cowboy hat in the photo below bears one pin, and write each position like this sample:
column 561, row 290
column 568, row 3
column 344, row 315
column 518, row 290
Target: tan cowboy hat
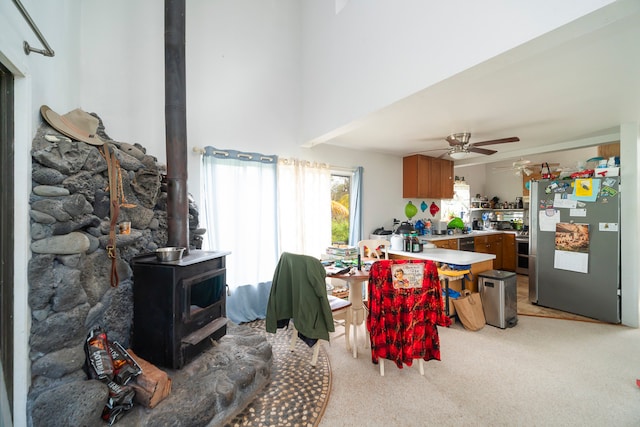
column 76, row 124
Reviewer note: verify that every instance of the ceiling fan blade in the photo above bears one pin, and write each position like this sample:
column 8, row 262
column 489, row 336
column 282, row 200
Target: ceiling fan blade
column 481, row 150
column 520, row 163
column 496, row 141
column 539, row 165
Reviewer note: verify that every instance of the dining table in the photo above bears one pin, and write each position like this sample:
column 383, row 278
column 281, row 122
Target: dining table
column 355, row 279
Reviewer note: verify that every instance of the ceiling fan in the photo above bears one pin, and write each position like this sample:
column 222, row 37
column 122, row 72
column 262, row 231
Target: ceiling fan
column 460, row 147
column 525, row 167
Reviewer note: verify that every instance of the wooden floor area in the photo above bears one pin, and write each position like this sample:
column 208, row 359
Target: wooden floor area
column 525, row 308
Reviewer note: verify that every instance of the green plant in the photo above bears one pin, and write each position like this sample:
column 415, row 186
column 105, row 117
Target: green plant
column 340, row 230
column 340, row 209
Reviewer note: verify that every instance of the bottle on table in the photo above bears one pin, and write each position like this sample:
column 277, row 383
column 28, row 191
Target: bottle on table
column 415, row 243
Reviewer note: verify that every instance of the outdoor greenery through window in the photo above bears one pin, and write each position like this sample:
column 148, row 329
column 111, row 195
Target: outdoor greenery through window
column 340, row 188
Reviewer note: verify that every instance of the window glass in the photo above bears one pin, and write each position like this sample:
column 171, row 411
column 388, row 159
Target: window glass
column 340, row 220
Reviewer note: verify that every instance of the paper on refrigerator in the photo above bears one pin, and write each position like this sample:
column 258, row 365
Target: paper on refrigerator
column 547, row 219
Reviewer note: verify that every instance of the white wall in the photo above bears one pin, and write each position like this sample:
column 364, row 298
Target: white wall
column 242, row 65
column 372, row 54
column 243, row 87
column 630, row 222
column 38, row 80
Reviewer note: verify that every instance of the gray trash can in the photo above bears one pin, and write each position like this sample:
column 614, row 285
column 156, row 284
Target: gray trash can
column 499, row 294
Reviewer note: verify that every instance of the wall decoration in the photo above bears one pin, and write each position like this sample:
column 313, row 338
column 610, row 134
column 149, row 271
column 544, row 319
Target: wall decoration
column 410, row 210
column 434, row 209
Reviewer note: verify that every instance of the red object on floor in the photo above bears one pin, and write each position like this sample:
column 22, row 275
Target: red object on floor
column 638, row 383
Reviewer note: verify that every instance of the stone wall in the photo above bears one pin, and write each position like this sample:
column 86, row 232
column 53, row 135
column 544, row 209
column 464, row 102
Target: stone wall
column 69, row 272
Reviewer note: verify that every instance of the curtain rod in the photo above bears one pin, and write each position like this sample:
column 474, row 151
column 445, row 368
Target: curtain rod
column 211, row 151
column 28, row 49
column 201, row 151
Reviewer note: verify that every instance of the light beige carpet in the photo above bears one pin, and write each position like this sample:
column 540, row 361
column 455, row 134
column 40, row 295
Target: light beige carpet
column 542, row 372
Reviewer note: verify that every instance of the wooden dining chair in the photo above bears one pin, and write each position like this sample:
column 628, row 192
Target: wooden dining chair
column 299, row 296
column 405, row 310
column 374, row 248
column 340, row 308
column 371, row 249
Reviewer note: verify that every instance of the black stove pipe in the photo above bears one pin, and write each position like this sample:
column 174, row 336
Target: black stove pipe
column 176, row 123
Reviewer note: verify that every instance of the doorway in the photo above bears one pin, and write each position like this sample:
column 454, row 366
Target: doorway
column 6, row 229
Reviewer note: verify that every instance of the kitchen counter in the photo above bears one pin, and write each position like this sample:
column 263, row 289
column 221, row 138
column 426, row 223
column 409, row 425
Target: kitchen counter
column 474, row 233
column 480, row 262
column 447, row 256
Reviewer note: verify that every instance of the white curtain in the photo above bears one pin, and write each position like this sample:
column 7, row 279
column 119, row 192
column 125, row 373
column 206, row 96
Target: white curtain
column 258, row 207
column 304, row 207
column 240, row 213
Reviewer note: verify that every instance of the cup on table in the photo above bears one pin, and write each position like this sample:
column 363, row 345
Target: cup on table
column 125, row 227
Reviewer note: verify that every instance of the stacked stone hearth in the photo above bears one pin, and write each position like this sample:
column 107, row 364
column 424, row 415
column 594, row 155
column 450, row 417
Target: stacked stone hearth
column 70, row 292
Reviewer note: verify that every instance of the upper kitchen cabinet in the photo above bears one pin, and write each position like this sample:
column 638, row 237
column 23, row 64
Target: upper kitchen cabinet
column 427, row 177
column 609, row 150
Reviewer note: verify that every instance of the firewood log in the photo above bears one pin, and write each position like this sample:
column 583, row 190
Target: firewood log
column 152, row 385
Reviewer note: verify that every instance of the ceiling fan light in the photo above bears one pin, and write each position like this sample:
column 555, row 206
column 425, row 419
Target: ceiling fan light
column 457, row 155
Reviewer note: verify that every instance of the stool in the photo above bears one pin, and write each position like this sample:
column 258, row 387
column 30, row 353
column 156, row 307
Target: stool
column 451, row 275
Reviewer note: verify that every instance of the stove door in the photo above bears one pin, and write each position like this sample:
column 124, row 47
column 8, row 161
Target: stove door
column 522, row 255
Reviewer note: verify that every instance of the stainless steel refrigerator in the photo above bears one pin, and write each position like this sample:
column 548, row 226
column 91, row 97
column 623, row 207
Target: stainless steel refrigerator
column 574, row 246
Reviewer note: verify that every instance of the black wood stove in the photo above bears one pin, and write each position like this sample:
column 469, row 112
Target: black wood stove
column 179, row 307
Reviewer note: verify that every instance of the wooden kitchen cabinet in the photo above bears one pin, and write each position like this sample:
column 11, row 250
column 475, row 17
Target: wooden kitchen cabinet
column 481, row 244
column 534, row 176
column 609, row 150
column 427, row 177
column 446, row 244
column 490, row 244
column 509, row 252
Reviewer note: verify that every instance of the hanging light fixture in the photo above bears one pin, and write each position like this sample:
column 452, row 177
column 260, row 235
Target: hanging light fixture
column 458, row 154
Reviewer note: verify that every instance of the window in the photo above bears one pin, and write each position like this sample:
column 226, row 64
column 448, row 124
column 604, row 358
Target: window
column 459, row 205
column 340, row 218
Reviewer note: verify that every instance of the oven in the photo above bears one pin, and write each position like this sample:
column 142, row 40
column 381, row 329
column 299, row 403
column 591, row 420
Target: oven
column 522, row 255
